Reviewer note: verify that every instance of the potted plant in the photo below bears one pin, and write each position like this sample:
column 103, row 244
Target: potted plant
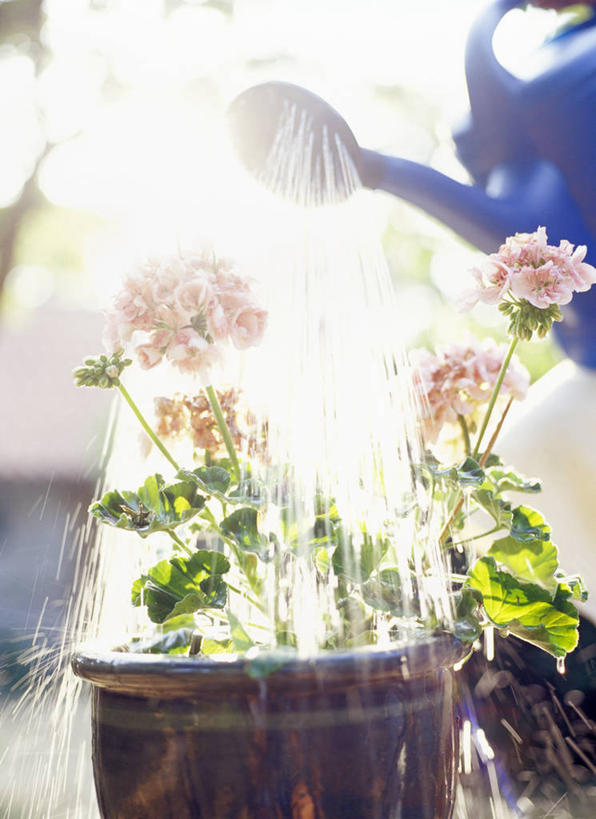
column 218, row 711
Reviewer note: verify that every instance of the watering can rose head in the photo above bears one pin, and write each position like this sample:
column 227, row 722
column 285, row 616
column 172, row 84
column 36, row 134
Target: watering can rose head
column 183, row 309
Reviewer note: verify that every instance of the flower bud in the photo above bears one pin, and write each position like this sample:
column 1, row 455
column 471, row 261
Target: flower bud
column 103, row 372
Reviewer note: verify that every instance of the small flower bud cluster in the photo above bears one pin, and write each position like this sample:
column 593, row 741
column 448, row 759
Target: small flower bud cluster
column 103, row 371
column 525, row 319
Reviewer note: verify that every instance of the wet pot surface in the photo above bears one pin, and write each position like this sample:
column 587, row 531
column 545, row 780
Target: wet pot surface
column 346, row 736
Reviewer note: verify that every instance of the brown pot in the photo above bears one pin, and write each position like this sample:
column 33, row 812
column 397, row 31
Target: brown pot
column 358, row 735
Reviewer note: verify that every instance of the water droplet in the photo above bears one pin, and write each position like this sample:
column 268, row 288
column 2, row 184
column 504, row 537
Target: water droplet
column 561, row 665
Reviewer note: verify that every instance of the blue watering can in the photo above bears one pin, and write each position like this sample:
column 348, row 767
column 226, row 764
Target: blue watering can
column 529, row 145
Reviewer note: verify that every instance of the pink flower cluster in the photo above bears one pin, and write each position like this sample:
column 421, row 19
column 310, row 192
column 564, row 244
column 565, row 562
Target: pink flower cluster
column 529, row 268
column 184, row 309
column 460, row 378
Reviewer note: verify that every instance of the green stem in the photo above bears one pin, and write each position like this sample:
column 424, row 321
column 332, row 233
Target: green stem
column 477, row 537
column 223, row 428
column 180, row 542
column 458, row 578
column 494, row 396
column 465, row 433
column 127, row 397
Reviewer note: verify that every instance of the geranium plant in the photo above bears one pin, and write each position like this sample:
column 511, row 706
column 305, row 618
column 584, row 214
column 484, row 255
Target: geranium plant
column 186, row 310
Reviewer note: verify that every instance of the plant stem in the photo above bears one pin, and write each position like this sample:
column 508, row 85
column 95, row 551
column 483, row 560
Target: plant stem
column 180, row 542
column 223, row 428
column 466, row 433
column 127, row 397
column 482, row 463
column 451, row 518
column 495, row 395
column 476, row 537
column 495, row 434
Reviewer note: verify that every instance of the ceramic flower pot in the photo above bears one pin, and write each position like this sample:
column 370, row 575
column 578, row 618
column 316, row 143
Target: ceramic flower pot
column 359, row 735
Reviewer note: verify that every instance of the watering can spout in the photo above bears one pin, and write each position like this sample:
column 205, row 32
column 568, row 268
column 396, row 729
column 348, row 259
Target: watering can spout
column 514, row 203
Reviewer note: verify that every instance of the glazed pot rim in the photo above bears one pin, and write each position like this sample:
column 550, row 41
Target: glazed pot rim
column 173, row 676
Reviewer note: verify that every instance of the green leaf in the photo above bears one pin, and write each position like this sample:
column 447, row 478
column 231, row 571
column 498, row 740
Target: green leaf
column 572, row 586
column 182, row 585
column 250, row 492
column 213, row 478
column 466, row 626
column 344, row 561
column 510, row 481
column 384, row 592
column 267, row 661
column 241, row 525
column 240, row 639
column 215, row 481
column 525, row 609
column 468, row 473
column 493, row 460
column 175, row 641
column 497, row 508
column 535, row 561
column 321, row 558
column 216, row 646
column 372, row 552
column 154, row 507
column 528, row 525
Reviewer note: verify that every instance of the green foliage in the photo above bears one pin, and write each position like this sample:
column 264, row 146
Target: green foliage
column 528, row 525
column 215, row 480
column 216, row 646
column 267, row 661
column 468, row 474
column 182, row 585
column 384, row 592
column 506, row 480
column 467, row 626
column 527, row 610
column 241, row 641
column 535, row 561
column 242, row 527
column 154, row 507
column 173, row 642
column 500, row 510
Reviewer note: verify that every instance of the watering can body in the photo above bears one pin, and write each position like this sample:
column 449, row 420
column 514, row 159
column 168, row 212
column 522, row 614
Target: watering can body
column 529, row 145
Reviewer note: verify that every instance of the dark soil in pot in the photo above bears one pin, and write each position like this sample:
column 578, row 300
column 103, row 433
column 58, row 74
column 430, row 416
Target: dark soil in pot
column 359, row 735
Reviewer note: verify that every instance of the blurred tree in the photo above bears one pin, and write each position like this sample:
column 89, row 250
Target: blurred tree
column 21, row 23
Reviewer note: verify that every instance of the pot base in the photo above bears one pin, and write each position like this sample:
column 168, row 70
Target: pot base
column 349, row 736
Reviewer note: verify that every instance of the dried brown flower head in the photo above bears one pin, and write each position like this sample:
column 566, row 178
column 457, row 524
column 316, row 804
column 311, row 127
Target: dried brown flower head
column 192, row 415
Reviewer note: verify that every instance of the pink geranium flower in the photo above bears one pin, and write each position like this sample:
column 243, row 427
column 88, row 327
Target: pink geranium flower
column 527, row 267
column 247, row 326
column 542, row 286
column 184, row 308
column 459, row 379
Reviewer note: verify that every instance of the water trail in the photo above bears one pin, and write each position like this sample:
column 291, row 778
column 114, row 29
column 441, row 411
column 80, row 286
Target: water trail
column 332, row 381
